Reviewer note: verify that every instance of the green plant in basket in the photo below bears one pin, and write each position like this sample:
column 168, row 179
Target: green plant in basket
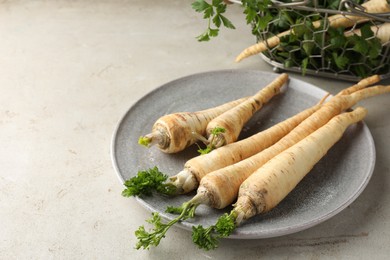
column 306, row 39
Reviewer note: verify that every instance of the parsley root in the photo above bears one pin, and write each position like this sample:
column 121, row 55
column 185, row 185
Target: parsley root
column 233, row 120
column 222, row 186
column 342, row 20
column 288, row 168
column 363, row 83
column 381, row 31
column 174, row 132
column 196, row 168
column 271, row 183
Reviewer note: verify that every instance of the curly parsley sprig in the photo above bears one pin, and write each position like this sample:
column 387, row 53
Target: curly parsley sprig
column 207, row 238
column 145, row 182
column 146, row 239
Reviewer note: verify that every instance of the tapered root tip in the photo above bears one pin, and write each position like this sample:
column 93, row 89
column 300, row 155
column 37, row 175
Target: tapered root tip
column 244, row 54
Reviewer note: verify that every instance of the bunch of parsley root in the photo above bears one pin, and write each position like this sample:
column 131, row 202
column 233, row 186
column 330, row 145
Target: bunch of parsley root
column 320, row 49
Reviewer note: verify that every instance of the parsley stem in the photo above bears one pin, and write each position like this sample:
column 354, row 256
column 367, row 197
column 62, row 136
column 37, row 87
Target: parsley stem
column 147, row 239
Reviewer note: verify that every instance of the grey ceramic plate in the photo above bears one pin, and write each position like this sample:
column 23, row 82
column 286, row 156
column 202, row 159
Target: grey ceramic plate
column 332, row 185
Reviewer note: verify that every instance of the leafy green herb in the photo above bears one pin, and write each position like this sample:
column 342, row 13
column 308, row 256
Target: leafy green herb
column 146, row 239
column 251, row 14
column 330, row 49
column 144, row 141
column 262, row 23
column 226, row 224
column 323, row 48
column 214, row 14
column 337, row 37
column 308, row 43
column 204, row 238
column 174, row 210
column 207, row 238
column 206, row 150
column 145, row 182
column 340, row 60
column 360, row 45
column 305, row 63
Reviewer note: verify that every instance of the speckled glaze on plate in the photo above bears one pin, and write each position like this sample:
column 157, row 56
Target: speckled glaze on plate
column 334, row 183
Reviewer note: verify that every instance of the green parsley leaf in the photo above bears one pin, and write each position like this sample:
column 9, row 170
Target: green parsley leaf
column 225, row 225
column 250, row 15
column 305, row 63
column 360, row 45
column 203, row 37
column 174, row 210
column 340, row 60
column 154, row 236
column 366, row 31
column 145, row 182
column 217, row 20
column 206, row 150
column 144, row 141
column 204, row 238
column 227, row 23
column 375, row 49
column 200, row 5
column 262, row 23
column 208, row 12
column 213, row 13
column 308, row 43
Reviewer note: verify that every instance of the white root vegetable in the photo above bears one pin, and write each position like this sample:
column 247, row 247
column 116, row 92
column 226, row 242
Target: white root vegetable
column 196, row 168
column 220, row 187
column 381, row 31
column 271, row 183
column 233, row 120
column 174, row 132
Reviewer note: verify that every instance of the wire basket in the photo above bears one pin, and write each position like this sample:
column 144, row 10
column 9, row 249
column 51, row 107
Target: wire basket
column 347, row 53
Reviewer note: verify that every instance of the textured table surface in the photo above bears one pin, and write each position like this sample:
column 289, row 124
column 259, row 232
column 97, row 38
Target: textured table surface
column 69, row 70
